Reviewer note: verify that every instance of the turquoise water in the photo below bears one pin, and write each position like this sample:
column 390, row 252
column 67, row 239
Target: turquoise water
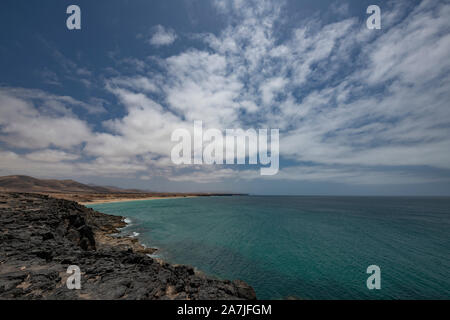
column 304, row 247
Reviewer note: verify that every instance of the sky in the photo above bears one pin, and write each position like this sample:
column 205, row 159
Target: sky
column 359, row 111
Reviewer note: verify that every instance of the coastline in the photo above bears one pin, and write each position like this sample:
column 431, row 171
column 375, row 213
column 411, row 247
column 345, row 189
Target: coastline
column 42, row 236
column 115, row 200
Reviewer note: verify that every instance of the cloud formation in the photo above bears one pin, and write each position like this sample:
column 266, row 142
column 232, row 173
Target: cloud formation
column 162, row 36
column 34, row 119
column 352, row 105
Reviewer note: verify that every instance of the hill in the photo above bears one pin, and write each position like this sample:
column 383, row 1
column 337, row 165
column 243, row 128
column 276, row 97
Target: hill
column 19, row 183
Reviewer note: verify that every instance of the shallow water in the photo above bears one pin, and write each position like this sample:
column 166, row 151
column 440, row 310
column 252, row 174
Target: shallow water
column 304, row 247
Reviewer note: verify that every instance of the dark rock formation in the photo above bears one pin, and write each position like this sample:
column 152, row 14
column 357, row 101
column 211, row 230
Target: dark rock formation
column 41, row 236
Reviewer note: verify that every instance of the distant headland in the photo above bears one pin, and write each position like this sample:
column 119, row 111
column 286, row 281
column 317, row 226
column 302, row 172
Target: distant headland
column 83, row 193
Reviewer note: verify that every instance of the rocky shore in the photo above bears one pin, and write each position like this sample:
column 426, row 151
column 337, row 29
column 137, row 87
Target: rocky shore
column 41, row 236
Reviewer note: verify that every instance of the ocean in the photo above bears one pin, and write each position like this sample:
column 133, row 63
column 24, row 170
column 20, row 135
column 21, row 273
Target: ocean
column 303, row 247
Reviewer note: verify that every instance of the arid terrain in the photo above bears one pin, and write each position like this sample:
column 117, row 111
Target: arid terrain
column 82, row 193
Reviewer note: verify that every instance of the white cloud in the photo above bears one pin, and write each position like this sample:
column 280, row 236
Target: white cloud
column 46, row 165
column 50, row 77
column 145, row 129
column 162, row 36
column 349, row 175
column 138, row 83
column 199, row 86
column 271, row 87
column 49, row 155
column 71, row 69
column 24, row 124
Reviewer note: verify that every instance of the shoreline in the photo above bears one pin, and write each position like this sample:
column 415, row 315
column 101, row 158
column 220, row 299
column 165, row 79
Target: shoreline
column 42, row 236
column 100, row 201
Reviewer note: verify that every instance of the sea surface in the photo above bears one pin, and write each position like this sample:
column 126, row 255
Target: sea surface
column 303, row 247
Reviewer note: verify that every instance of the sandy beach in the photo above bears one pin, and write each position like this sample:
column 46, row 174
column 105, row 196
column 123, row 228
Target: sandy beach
column 128, row 199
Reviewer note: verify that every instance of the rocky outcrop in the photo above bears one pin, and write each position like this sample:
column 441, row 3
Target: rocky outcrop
column 41, row 236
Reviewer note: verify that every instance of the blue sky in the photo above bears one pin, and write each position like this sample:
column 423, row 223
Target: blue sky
column 359, row 111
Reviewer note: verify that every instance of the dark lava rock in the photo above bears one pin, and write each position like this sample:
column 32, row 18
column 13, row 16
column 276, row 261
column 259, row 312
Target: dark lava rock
column 41, row 237
column 48, row 236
